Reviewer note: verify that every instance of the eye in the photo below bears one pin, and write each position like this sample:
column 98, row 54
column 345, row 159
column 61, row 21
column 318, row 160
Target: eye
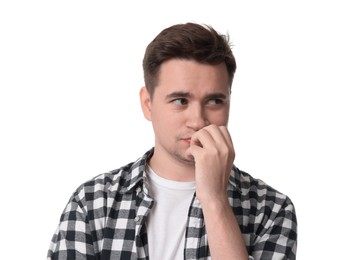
column 215, row 101
column 180, row 101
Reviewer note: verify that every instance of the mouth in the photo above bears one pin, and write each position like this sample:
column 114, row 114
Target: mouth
column 187, row 140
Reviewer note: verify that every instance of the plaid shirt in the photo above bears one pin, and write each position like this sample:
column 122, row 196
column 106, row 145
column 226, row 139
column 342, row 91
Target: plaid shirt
column 105, row 219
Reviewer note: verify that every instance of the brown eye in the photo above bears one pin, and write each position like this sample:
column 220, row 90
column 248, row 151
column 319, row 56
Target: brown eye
column 215, row 101
column 180, row 101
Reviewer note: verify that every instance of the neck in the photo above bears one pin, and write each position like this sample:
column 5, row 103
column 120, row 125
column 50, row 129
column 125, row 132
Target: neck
column 172, row 168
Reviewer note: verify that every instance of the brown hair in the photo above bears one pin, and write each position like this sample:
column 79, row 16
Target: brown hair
column 187, row 41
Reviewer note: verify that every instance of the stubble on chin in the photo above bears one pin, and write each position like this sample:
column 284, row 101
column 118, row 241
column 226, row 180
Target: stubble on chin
column 189, row 160
column 180, row 152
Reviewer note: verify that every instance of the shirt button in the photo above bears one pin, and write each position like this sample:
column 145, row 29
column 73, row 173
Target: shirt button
column 137, row 219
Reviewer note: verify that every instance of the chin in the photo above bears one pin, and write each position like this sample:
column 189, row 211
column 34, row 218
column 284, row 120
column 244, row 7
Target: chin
column 185, row 159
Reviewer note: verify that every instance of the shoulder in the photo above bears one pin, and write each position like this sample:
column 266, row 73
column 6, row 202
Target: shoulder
column 252, row 187
column 259, row 198
column 266, row 216
column 106, row 185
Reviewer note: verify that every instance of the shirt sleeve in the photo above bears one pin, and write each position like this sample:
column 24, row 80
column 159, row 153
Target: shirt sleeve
column 72, row 239
column 278, row 240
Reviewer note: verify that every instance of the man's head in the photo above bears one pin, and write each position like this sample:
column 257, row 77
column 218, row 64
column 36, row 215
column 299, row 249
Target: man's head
column 188, row 41
column 188, row 71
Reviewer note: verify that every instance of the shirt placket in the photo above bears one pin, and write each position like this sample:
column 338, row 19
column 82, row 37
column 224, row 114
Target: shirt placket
column 196, row 238
column 142, row 211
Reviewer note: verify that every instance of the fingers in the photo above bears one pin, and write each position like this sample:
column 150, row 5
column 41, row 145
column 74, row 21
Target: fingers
column 211, row 137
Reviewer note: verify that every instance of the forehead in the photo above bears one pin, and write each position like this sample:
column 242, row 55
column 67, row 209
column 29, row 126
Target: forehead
column 191, row 76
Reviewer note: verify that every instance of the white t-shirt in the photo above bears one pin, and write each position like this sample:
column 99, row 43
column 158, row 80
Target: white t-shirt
column 166, row 223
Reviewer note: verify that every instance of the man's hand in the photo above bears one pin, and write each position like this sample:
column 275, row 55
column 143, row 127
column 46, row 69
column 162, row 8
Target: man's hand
column 213, row 152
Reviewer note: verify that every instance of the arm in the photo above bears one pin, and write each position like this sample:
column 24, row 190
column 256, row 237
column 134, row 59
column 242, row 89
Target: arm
column 213, row 152
column 72, row 239
column 224, row 236
column 277, row 239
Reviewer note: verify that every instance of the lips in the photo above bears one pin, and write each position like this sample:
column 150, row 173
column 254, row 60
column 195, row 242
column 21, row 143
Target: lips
column 188, row 140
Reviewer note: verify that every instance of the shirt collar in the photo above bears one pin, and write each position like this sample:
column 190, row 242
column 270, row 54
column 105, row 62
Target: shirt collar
column 135, row 174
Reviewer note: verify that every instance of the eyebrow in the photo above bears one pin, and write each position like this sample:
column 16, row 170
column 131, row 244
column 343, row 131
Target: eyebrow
column 178, row 94
column 182, row 94
column 216, row 96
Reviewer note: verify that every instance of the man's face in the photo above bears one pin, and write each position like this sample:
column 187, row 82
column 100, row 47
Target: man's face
column 188, row 97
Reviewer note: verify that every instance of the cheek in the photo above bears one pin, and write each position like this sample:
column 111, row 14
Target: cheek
column 220, row 118
column 161, row 123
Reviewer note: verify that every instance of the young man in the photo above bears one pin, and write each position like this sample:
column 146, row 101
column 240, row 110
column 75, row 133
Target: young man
column 183, row 199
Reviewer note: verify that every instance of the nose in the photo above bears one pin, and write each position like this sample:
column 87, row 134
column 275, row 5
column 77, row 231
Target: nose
column 196, row 118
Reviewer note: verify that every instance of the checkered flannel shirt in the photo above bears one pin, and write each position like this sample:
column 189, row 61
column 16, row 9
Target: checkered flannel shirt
column 105, row 219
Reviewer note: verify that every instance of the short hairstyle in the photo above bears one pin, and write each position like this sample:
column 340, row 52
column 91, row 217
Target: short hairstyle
column 189, row 41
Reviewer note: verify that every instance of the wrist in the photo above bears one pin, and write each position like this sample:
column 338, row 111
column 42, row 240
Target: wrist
column 214, row 203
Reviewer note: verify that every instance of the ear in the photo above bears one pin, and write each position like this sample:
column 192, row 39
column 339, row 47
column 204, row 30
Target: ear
column 145, row 101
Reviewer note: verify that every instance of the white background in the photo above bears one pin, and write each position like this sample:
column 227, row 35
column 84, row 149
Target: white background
column 70, row 72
